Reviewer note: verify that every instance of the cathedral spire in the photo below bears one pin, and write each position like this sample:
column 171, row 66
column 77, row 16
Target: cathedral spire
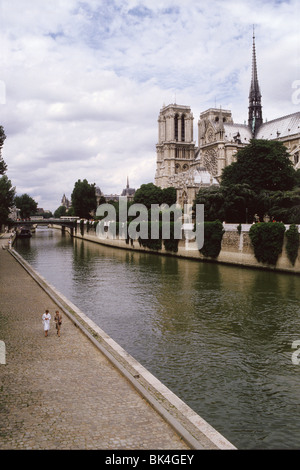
column 255, row 107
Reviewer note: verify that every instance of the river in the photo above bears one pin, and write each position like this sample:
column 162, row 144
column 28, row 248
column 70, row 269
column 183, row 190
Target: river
column 220, row 337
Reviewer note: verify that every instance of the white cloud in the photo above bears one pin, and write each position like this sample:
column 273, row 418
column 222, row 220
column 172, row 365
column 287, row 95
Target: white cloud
column 85, row 81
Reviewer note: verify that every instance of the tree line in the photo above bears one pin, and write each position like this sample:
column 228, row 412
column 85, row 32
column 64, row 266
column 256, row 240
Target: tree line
column 84, row 201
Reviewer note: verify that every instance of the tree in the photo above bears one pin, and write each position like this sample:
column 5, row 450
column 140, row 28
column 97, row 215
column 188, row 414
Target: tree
column 233, row 203
column 26, row 204
column 60, row 211
column 263, row 165
column 284, row 205
column 7, row 194
column 240, row 203
column 169, row 196
column 148, row 194
column 83, row 198
column 102, row 200
column 213, row 200
column 71, row 212
column 3, row 166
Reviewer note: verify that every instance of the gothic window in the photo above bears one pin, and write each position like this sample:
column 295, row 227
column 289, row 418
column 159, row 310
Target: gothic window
column 176, row 127
column 164, row 129
column 296, row 158
column 183, row 128
column 210, row 135
column 183, row 199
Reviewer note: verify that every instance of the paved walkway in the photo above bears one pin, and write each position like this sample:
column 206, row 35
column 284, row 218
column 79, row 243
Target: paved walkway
column 61, row 392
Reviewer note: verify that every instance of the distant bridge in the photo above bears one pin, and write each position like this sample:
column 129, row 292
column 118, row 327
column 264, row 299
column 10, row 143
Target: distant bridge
column 27, row 223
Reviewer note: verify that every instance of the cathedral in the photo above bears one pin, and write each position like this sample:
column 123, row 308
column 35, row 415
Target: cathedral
column 188, row 167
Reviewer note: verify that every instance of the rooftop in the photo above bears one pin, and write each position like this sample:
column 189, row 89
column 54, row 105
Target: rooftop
column 282, row 127
column 242, row 132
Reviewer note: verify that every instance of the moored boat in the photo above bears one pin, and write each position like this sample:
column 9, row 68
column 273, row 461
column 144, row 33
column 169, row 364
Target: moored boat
column 24, row 233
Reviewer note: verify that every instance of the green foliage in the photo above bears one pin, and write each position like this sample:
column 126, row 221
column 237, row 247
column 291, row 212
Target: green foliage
column 116, row 205
column 171, row 243
column 233, row 203
column 60, row 211
column 285, row 206
column 27, row 205
column 213, row 200
column 267, row 241
column 151, row 244
column 297, row 176
column 3, row 166
column 148, row 242
column 149, row 194
column 71, row 212
column 167, row 237
column 7, row 194
column 293, row 215
column 213, row 234
column 84, row 200
column 102, row 200
column 239, row 203
column 292, row 243
column 169, row 196
column 263, row 164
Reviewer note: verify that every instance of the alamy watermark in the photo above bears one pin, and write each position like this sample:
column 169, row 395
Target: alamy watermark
column 2, row 353
column 295, row 358
column 166, row 222
column 296, row 93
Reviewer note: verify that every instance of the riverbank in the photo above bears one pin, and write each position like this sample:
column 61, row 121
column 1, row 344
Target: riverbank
column 115, row 403
column 236, row 249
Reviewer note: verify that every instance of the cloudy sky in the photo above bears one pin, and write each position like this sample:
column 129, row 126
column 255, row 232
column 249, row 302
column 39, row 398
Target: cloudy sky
column 82, row 82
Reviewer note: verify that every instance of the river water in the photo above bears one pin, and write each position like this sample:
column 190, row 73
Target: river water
column 219, row 337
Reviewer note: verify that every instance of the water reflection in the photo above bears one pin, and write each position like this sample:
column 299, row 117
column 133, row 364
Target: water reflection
column 220, row 337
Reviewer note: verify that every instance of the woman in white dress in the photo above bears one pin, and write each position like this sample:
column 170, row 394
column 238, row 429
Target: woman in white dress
column 46, row 321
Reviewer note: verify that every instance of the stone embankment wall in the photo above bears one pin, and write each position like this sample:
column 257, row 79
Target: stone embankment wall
column 236, row 249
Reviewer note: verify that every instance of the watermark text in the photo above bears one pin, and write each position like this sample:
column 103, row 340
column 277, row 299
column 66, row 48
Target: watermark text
column 160, row 221
column 295, row 358
column 296, row 93
column 2, row 353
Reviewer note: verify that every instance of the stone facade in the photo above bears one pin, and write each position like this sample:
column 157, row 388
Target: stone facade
column 176, row 147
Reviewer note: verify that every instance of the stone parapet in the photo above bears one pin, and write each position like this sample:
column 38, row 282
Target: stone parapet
column 236, row 249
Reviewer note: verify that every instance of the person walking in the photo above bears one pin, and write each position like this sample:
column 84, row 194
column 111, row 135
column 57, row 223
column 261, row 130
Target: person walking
column 46, row 321
column 58, row 321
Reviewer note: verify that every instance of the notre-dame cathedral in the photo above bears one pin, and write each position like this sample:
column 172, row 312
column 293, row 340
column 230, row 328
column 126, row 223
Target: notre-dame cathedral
column 187, row 167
